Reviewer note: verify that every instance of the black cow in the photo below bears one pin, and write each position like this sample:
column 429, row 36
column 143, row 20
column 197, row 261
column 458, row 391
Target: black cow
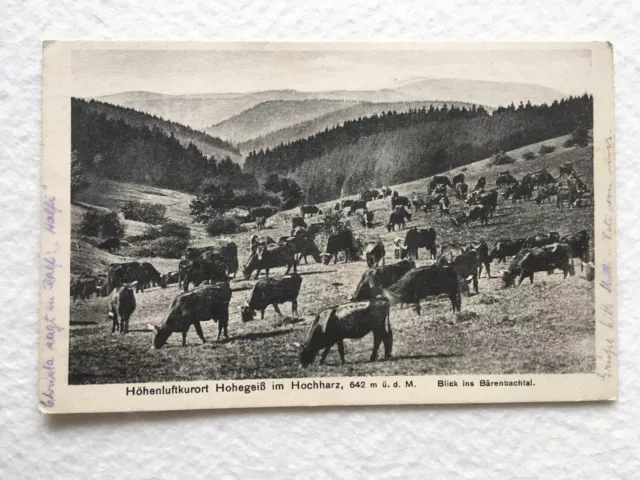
column 458, row 179
column 210, row 266
column 505, row 178
column 310, row 210
column 541, row 259
column 504, row 248
column 481, row 250
column 298, row 222
column 400, row 201
column 478, row 212
column 315, row 228
column 579, row 243
column 154, row 278
column 416, row 239
column 266, row 257
column 126, row 272
column 366, row 219
column 374, row 253
column 272, row 291
column 121, row 306
column 541, row 239
column 209, row 302
column 369, row 195
column 357, row 205
column 346, row 203
column 303, row 245
column 376, row 279
column 462, row 190
column 439, row 180
column 431, row 202
column 350, row 320
column 110, row 244
column 339, row 242
column 398, row 217
column 464, row 261
column 423, row 282
column 488, row 199
column 481, row 183
column 171, row 278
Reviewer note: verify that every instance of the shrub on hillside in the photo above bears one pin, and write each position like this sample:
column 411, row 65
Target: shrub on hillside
column 529, row 155
column 175, row 229
column 152, row 213
column 165, row 247
column 545, row 149
column 502, row 159
column 220, row 225
column 103, row 224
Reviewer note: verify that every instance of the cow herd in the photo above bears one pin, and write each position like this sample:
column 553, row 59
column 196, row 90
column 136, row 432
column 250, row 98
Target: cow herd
column 454, row 268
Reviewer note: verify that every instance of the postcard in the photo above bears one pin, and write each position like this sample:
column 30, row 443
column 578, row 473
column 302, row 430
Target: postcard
column 233, row 225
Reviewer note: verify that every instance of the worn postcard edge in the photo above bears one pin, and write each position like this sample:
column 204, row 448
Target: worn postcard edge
column 54, row 395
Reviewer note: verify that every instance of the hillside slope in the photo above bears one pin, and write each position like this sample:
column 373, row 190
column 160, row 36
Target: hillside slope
column 273, row 115
column 206, row 143
column 318, row 124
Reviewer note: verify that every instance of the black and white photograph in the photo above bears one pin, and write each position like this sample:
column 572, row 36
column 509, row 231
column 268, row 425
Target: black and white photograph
column 333, row 211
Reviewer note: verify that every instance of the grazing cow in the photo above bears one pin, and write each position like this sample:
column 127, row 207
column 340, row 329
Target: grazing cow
column 339, row 242
column 579, row 243
column 228, row 251
column 126, row 272
column 209, row 302
column 464, row 261
column 256, row 241
column 351, row 320
column 304, row 245
column 346, row 203
column 431, row 202
column 478, row 212
column 542, row 178
column 298, row 222
column 154, row 278
column 270, row 256
column 420, row 283
column 541, row 259
column 110, row 244
column 566, row 169
column 462, row 190
column 261, row 223
column 398, row 217
column 545, row 193
column 541, row 239
column 374, row 253
column 481, row 183
column 357, row 205
column 210, row 266
column 440, row 180
column 416, row 239
column 504, row 248
column 418, row 202
column 458, row 179
column 171, row 278
column 481, row 250
column 84, row 287
column 369, row 195
column 121, row 306
column 522, row 191
column 310, row 210
column 401, row 201
column 505, row 178
column 272, row 291
column 488, row 199
column 567, row 195
column 375, row 279
column 444, row 206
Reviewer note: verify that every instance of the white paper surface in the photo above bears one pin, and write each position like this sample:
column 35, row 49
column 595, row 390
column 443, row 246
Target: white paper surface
column 541, row 441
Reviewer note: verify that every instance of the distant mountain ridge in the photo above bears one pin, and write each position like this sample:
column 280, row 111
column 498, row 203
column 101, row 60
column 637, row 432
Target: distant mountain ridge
column 331, row 119
column 205, row 109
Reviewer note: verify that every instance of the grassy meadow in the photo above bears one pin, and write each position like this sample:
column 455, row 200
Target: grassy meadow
column 547, row 327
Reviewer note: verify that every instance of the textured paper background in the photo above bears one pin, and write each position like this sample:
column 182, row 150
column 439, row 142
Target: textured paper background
column 572, row 441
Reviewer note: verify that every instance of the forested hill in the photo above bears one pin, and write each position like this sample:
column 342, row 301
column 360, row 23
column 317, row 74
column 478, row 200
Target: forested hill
column 207, row 144
column 111, row 148
column 399, row 147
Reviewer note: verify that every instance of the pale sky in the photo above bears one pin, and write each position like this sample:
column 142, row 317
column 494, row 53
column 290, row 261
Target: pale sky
column 102, row 72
